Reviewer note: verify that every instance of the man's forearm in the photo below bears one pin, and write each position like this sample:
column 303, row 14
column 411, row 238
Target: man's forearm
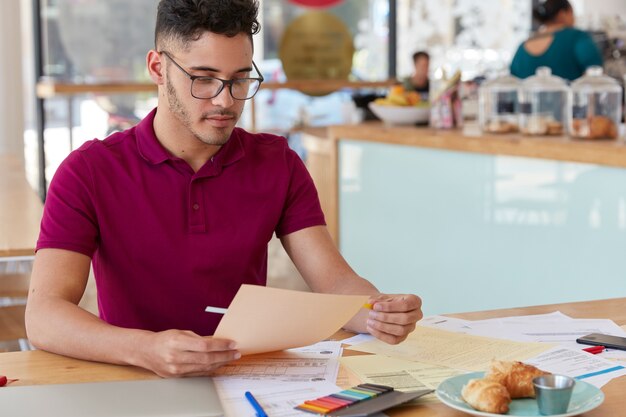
column 62, row 327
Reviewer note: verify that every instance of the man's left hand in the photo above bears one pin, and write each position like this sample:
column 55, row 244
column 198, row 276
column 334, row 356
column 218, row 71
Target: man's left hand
column 393, row 316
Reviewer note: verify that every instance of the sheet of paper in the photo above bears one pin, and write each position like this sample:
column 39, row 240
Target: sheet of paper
column 454, row 350
column 280, row 380
column 359, row 338
column 262, row 319
column 314, row 363
column 445, row 323
column 546, row 317
column 578, row 364
column 558, row 332
column 555, row 328
column 465, row 326
column 401, row 374
column 346, row 378
column 277, row 399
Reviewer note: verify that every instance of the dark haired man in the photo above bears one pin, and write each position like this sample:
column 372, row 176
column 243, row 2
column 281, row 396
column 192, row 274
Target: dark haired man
column 176, row 213
column 419, row 81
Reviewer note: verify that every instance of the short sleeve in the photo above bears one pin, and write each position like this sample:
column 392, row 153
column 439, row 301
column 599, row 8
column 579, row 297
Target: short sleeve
column 302, row 207
column 516, row 69
column 587, row 53
column 69, row 220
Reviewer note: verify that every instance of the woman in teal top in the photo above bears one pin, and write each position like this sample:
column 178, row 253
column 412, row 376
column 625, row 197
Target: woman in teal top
column 558, row 45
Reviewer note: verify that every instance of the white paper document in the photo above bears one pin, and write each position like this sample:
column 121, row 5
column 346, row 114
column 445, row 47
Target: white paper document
column 277, row 399
column 314, row 363
column 446, row 323
column 555, row 328
column 279, row 380
column 359, row 338
column 578, row 364
column 558, row 332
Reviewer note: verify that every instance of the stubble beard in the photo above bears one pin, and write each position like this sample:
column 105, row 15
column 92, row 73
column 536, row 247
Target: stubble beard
column 217, row 137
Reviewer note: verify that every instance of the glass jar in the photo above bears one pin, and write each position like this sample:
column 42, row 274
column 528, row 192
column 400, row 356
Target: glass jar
column 596, row 107
column 543, row 104
column 497, row 105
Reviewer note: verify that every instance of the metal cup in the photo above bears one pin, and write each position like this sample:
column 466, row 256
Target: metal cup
column 553, row 393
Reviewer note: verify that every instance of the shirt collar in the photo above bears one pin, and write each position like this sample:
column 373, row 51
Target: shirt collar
column 153, row 152
column 149, row 146
column 231, row 151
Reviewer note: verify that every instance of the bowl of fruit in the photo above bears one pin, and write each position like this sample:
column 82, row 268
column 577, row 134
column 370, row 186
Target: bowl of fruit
column 401, row 107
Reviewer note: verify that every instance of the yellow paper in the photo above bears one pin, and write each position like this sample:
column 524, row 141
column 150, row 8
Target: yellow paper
column 401, row 374
column 262, row 319
column 454, row 350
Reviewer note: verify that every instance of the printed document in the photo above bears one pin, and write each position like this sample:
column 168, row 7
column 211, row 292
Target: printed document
column 578, row 364
column 279, row 380
column 454, row 350
column 318, row 362
column 401, row 374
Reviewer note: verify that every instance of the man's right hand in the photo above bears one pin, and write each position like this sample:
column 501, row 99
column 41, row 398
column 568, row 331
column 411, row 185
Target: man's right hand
column 177, row 353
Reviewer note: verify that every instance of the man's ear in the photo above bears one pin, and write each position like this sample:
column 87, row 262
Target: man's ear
column 155, row 66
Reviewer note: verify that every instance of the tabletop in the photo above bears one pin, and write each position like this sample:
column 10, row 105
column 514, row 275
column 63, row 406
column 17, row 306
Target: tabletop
column 38, row 367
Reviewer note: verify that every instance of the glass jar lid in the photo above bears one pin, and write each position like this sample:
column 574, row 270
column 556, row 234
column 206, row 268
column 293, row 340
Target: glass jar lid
column 543, row 80
column 505, row 82
column 595, row 80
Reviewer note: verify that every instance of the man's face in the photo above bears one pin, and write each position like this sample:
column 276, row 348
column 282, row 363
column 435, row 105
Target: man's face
column 211, row 121
column 421, row 65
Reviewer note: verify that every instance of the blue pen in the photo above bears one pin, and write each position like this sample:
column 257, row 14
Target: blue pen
column 255, row 404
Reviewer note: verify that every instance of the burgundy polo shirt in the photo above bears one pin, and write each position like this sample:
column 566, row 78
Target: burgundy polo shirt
column 166, row 241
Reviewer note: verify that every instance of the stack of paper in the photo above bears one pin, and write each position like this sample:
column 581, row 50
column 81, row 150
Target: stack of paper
column 547, row 341
column 279, row 380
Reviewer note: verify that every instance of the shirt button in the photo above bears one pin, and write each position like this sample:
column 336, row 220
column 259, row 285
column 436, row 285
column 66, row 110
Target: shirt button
column 196, row 206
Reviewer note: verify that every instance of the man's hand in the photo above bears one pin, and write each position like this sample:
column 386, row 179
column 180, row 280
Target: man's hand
column 393, row 317
column 177, row 353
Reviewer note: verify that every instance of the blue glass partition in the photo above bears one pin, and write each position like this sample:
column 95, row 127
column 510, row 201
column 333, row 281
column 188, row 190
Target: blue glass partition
column 469, row 231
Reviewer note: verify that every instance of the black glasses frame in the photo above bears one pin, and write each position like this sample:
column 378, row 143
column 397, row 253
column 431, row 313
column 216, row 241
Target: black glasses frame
column 225, row 83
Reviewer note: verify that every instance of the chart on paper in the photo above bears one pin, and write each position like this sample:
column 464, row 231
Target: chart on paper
column 318, row 362
column 288, row 370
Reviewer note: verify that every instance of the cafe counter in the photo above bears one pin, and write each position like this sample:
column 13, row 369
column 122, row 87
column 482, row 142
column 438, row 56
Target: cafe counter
column 471, row 221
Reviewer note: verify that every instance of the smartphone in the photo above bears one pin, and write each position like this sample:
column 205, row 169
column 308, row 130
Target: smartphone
column 599, row 339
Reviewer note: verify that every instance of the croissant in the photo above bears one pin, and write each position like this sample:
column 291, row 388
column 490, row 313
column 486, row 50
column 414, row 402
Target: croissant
column 517, row 377
column 486, row 395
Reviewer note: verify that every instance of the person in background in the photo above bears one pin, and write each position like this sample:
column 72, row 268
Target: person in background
column 567, row 51
column 176, row 214
column 419, row 81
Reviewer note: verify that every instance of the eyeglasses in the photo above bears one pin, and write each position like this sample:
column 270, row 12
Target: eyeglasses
column 209, row 87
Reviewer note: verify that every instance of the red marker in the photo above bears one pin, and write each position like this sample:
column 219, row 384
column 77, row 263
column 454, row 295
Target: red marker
column 594, row 349
column 6, row 381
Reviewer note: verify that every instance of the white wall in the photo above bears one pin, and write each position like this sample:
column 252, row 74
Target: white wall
column 598, row 14
column 11, row 91
column 605, row 7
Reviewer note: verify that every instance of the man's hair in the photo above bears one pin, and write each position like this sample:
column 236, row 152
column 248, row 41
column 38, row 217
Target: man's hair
column 185, row 21
column 546, row 10
column 420, row 54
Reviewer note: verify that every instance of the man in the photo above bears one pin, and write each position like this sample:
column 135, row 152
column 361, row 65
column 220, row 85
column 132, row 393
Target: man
column 176, row 214
column 419, row 81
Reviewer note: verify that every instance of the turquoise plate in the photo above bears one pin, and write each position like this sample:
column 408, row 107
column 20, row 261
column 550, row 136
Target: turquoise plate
column 584, row 398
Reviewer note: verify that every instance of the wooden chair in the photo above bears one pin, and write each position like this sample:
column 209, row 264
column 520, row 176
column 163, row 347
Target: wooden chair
column 13, row 293
column 14, row 286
